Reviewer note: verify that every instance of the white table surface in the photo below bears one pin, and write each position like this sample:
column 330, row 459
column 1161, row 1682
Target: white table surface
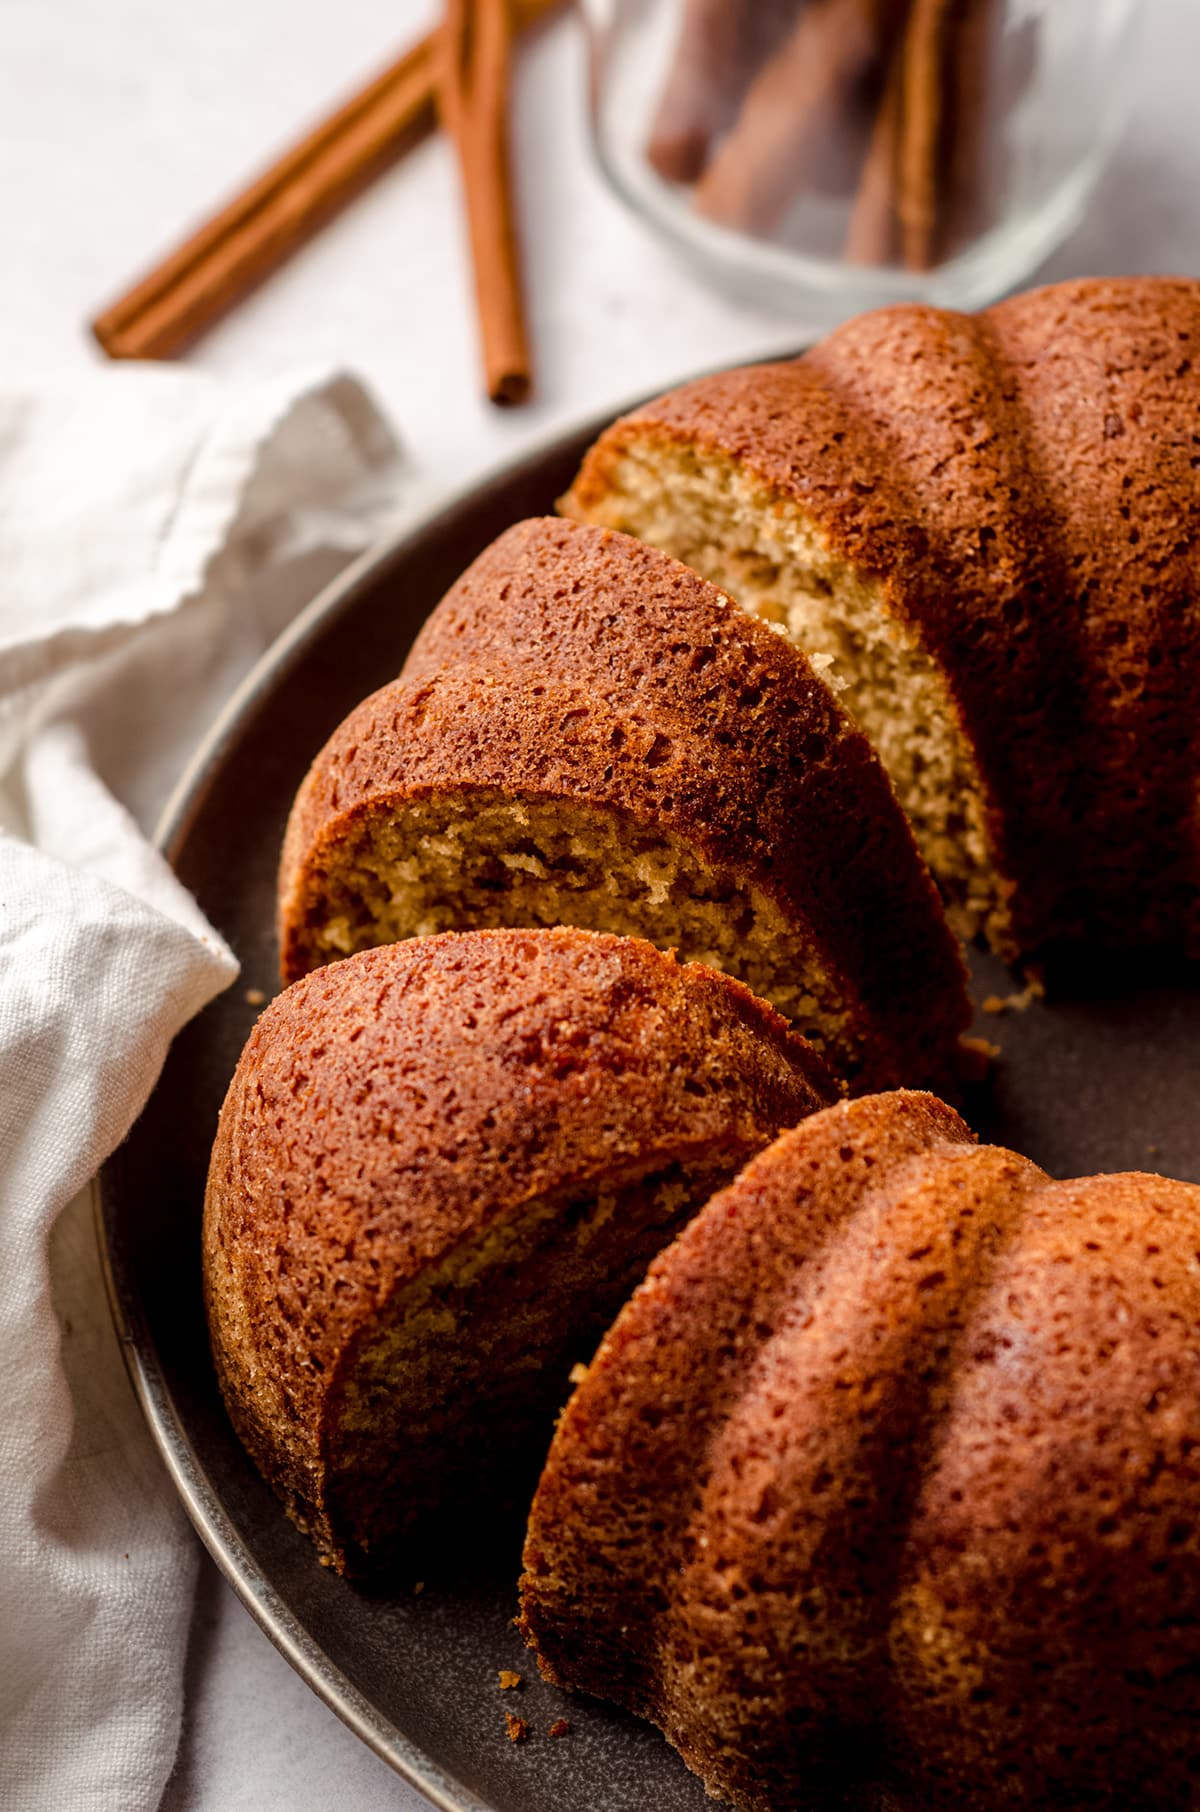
column 122, row 119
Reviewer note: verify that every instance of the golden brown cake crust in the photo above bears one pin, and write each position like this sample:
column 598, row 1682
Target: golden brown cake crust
column 888, row 1472
column 576, row 663
column 1026, row 485
column 390, row 1109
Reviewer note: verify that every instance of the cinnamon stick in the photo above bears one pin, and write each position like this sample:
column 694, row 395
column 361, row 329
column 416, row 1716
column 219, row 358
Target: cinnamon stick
column 720, row 45
column 925, row 57
column 796, row 103
column 925, row 186
column 871, row 234
column 249, row 238
column 473, row 97
column 975, row 125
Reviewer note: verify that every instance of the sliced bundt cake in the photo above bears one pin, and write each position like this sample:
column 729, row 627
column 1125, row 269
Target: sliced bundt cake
column 991, row 526
column 888, row 1475
column 439, row 1169
column 586, row 733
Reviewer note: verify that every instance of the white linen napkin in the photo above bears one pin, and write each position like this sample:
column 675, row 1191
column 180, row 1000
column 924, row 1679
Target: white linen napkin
column 156, row 530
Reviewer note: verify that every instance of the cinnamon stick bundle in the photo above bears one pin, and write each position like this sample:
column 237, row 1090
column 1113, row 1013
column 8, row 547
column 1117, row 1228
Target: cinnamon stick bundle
column 249, row 238
column 473, row 97
column 902, row 87
column 794, row 106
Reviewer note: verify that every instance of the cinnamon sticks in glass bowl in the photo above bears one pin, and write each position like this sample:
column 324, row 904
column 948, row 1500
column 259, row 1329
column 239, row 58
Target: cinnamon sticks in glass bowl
column 836, row 154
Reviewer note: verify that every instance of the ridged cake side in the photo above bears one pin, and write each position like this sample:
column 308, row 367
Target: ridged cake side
column 402, row 1122
column 574, row 670
column 882, row 1478
column 1018, row 494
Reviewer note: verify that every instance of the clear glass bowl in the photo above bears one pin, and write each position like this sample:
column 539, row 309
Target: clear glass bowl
column 826, row 156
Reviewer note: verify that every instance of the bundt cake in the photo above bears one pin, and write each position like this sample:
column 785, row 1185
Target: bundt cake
column 439, row 1169
column 885, row 1480
column 990, row 525
column 587, row 733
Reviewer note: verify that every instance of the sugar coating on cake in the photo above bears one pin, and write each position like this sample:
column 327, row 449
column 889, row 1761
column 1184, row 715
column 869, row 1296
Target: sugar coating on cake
column 440, row 1167
column 989, row 524
column 885, row 1480
column 587, row 733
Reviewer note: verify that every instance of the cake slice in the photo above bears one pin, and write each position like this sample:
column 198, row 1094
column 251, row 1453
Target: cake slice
column 439, row 1169
column 886, row 1478
column 587, row 733
column 988, row 526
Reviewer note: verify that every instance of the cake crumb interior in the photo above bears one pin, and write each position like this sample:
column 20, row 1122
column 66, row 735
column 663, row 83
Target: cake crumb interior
column 711, row 513
column 479, row 859
column 450, row 1399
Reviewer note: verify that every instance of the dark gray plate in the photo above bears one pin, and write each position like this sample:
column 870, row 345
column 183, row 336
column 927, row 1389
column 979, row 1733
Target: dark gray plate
column 1104, row 1077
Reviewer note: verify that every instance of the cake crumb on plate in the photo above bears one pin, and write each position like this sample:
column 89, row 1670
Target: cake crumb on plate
column 1034, row 989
